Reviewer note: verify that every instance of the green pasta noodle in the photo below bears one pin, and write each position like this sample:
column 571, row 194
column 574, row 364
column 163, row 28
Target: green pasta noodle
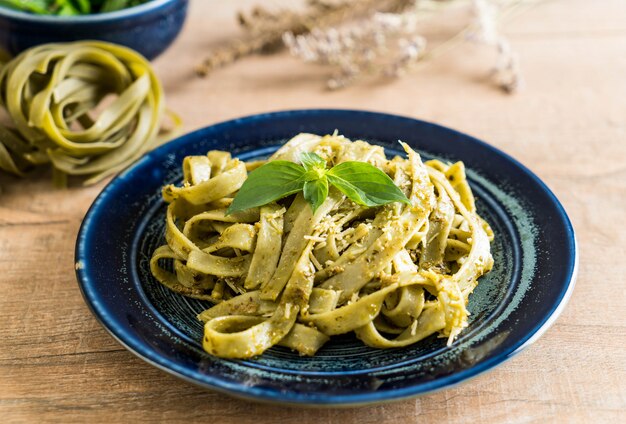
column 282, row 274
column 87, row 108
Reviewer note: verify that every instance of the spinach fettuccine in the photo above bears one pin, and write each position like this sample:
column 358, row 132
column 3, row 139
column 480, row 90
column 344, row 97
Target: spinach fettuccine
column 296, row 270
column 88, row 108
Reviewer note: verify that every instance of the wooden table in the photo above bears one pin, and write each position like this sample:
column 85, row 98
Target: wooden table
column 569, row 126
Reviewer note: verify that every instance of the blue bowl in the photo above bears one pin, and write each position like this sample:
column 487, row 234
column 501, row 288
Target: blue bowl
column 149, row 28
column 533, row 275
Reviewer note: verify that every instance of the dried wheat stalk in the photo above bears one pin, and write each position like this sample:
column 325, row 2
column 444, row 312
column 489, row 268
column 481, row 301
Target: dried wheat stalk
column 371, row 37
column 265, row 28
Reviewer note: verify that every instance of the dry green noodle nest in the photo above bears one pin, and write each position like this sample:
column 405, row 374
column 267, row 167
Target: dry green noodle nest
column 87, row 108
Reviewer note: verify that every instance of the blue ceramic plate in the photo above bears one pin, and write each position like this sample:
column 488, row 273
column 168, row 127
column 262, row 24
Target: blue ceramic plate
column 534, row 251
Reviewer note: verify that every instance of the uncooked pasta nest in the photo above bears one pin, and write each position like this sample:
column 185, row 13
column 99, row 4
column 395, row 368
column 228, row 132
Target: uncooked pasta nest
column 281, row 274
column 88, row 108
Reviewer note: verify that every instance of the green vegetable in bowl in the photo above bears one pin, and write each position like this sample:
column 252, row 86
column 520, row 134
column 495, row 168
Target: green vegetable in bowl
column 69, row 7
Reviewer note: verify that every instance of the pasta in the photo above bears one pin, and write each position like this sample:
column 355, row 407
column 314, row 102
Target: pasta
column 280, row 274
column 50, row 92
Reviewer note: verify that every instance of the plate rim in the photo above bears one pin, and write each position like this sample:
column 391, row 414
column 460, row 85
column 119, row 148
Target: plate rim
column 334, row 400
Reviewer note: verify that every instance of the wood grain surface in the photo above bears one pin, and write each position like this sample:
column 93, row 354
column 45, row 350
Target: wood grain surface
column 568, row 125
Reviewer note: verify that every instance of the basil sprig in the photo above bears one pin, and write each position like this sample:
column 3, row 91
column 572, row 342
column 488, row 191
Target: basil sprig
column 361, row 182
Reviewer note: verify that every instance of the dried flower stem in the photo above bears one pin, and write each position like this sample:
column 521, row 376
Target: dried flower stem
column 506, row 72
column 266, row 29
column 385, row 44
column 369, row 48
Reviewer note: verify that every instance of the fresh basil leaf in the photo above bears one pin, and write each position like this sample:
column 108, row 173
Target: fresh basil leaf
column 315, row 192
column 314, row 174
column 270, row 182
column 312, row 161
column 365, row 184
